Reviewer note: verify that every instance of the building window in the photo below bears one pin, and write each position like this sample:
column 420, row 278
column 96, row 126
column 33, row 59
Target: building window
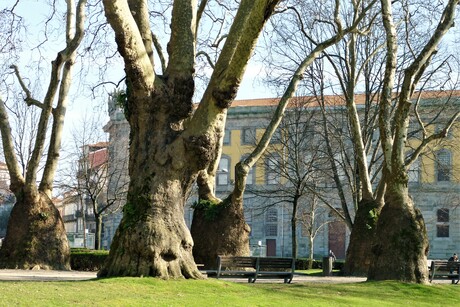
column 249, row 136
column 276, row 137
column 414, row 172
column 223, row 171
column 443, row 165
column 248, row 218
column 442, row 224
column 272, row 173
column 414, row 129
column 227, row 137
column 271, row 230
column 271, row 222
column 271, row 216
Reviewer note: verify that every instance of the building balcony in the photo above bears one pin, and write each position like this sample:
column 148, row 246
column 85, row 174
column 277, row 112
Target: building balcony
column 88, row 216
column 69, row 218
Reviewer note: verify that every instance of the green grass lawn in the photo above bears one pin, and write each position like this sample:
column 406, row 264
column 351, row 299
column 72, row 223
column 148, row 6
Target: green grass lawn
column 156, row 292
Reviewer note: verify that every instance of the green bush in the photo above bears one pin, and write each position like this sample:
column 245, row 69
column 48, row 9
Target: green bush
column 302, row 264
column 82, row 259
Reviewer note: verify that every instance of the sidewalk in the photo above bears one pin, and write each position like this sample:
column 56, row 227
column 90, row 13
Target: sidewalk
column 44, row 275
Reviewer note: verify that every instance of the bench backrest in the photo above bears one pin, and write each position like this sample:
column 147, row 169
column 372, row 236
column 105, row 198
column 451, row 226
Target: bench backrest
column 444, row 265
column 276, row 264
column 236, row 262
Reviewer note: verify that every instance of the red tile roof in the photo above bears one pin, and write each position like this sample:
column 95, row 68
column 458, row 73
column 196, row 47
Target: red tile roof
column 334, row 100
column 98, row 157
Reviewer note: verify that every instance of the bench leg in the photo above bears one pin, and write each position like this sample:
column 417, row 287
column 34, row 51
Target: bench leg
column 287, row 280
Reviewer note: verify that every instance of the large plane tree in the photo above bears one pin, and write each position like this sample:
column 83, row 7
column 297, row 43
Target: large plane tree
column 36, row 236
column 401, row 244
column 170, row 143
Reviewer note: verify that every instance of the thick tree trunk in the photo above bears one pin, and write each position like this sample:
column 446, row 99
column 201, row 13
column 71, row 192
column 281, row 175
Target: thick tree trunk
column 223, row 233
column 36, row 237
column 401, row 244
column 359, row 253
column 153, row 240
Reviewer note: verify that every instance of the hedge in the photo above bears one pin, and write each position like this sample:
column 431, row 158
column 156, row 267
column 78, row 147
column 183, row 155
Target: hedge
column 302, row 264
column 82, row 259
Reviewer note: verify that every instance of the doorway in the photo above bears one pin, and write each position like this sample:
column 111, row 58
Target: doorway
column 271, row 247
column 337, row 234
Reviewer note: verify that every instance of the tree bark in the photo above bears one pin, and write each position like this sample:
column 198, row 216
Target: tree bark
column 294, row 243
column 359, row 253
column 36, row 235
column 152, row 238
column 225, row 233
column 98, row 236
column 401, row 244
column 311, row 240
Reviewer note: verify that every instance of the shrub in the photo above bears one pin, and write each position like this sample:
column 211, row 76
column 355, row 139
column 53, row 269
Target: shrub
column 82, row 259
column 302, row 264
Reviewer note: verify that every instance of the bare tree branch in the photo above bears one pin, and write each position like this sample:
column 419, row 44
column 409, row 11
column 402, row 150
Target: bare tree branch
column 29, row 99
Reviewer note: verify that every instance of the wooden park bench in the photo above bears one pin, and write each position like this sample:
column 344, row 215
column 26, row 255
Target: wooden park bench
column 443, row 269
column 235, row 267
column 253, row 268
column 276, row 268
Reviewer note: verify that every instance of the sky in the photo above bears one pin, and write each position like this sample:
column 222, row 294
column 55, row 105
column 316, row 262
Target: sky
column 82, row 102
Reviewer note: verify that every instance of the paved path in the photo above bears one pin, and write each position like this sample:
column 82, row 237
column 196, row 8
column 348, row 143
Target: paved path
column 43, row 275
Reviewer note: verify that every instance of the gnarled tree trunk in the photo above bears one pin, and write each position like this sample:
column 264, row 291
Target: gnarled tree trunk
column 223, row 233
column 36, row 235
column 359, row 254
column 154, row 241
column 401, row 243
column 152, row 238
